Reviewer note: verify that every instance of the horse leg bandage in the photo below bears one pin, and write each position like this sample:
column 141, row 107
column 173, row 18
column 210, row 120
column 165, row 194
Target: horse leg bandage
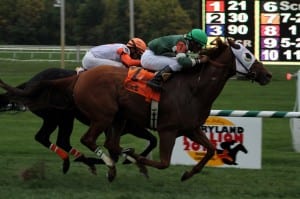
column 108, row 161
column 75, row 152
column 60, row 152
column 127, row 156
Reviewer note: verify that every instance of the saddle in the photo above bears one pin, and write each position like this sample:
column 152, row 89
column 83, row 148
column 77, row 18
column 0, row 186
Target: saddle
column 136, row 81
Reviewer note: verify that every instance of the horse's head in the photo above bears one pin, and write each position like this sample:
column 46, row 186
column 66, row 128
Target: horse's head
column 247, row 65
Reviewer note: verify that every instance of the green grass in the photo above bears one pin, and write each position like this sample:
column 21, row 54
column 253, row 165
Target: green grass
column 278, row 178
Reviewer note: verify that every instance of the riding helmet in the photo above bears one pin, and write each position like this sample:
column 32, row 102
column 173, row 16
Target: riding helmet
column 137, row 43
column 197, row 35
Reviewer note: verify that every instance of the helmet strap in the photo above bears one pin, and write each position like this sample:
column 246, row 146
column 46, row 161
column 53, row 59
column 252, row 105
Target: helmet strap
column 188, row 43
column 134, row 44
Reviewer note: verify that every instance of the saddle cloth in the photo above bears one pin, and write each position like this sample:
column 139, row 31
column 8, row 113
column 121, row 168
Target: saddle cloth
column 136, row 81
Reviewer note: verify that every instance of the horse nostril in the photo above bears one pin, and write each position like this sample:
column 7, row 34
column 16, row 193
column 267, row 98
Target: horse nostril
column 269, row 75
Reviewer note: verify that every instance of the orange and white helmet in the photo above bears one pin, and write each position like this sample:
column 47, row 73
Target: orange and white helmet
column 137, row 43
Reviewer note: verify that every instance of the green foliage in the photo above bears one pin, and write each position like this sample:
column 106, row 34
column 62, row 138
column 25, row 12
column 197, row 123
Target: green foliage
column 92, row 22
column 28, row 17
column 167, row 17
column 86, row 26
column 278, row 178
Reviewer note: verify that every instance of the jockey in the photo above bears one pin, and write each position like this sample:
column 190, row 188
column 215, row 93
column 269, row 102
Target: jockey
column 117, row 54
column 171, row 53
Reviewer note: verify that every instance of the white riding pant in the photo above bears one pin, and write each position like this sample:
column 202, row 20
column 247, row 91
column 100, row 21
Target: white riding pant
column 154, row 62
column 89, row 61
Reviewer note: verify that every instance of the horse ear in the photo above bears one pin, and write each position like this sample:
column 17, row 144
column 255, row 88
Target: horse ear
column 232, row 43
column 230, row 40
column 216, row 41
column 219, row 41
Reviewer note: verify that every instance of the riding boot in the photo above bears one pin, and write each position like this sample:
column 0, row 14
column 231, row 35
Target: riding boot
column 159, row 78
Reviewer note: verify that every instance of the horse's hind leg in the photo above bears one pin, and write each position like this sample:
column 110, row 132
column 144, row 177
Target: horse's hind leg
column 43, row 137
column 89, row 140
column 199, row 137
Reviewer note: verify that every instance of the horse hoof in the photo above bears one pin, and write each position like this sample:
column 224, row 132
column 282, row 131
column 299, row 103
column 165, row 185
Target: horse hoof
column 186, row 176
column 66, row 165
column 111, row 174
column 144, row 171
column 93, row 169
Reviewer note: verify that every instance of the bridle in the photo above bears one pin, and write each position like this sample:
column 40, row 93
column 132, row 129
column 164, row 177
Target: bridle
column 243, row 67
column 251, row 75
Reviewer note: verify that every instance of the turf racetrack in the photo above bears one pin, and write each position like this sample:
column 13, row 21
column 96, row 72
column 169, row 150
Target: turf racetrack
column 278, row 178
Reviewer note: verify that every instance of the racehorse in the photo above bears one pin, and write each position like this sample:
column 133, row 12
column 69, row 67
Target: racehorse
column 184, row 106
column 46, row 106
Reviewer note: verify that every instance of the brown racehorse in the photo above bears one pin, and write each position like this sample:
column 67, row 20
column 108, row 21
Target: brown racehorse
column 46, row 105
column 185, row 104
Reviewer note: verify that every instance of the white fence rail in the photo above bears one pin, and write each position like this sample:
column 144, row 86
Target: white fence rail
column 41, row 53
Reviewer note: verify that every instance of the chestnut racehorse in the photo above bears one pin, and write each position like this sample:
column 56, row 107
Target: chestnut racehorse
column 46, row 105
column 184, row 106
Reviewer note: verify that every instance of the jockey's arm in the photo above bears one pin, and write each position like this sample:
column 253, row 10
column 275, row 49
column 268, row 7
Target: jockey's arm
column 128, row 61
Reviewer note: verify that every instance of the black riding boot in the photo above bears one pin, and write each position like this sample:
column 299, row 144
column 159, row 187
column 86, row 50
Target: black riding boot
column 162, row 75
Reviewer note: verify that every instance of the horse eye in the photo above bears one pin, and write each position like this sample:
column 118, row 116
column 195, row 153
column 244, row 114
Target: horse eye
column 247, row 57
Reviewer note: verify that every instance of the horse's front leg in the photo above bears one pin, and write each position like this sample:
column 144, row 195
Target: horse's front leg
column 199, row 137
column 141, row 133
column 112, row 143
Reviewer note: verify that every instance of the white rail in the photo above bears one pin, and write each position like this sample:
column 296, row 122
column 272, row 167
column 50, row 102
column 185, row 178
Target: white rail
column 41, row 53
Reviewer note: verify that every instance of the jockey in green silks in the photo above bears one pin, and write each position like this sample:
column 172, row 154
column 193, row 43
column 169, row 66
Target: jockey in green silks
column 171, row 53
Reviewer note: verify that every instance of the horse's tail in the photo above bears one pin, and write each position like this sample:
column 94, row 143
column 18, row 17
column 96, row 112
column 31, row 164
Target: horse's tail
column 12, row 90
column 9, row 105
column 34, row 94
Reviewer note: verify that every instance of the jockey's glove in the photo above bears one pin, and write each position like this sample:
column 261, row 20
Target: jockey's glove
column 202, row 59
column 178, row 55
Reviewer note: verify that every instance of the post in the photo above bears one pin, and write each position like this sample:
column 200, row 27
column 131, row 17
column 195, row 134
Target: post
column 62, row 33
column 295, row 122
column 78, row 53
column 298, row 91
column 131, row 19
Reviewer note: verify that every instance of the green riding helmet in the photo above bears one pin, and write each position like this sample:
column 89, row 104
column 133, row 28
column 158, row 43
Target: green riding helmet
column 198, row 36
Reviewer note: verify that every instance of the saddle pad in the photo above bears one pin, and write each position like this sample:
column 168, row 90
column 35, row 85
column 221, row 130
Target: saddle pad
column 136, row 82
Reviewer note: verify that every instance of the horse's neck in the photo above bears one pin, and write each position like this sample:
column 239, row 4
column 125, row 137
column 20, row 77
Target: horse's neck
column 217, row 75
column 207, row 82
column 210, row 82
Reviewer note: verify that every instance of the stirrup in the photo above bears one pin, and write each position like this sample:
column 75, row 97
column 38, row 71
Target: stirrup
column 154, row 85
